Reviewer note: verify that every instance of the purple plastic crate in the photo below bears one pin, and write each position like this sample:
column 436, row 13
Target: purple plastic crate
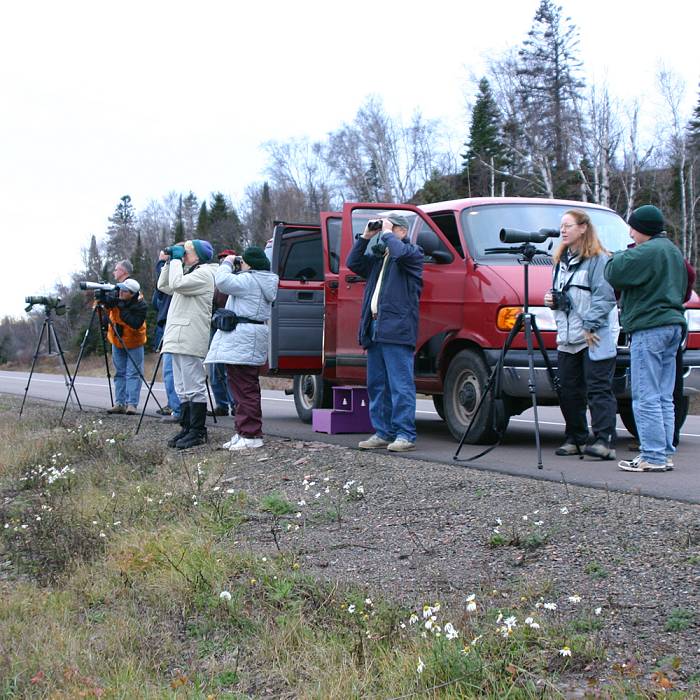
column 350, row 412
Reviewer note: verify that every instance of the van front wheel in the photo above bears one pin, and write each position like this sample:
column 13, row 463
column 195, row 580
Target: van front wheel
column 465, row 383
column 310, row 391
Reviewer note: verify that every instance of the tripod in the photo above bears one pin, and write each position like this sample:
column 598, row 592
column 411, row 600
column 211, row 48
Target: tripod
column 101, row 314
column 525, row 321
column 153, row 381
column 51, row 342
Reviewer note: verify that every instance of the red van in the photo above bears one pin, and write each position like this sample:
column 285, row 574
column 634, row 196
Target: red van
column 469, row 302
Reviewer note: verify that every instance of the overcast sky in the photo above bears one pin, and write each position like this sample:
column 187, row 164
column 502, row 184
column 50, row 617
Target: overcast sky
column 101, row 99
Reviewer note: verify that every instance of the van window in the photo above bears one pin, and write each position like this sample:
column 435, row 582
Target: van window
column 447, row 223
column 301, row 257
column 334, row 230
column 430, row 242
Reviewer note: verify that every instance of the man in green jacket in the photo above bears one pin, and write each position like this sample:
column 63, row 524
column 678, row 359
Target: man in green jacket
column 652, row 278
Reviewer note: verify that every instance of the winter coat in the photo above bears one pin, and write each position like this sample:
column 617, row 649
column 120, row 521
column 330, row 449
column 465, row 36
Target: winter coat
column 250, row 295
column 129, row 318
column 189, row 315
column 653, row 279
column 397, row 311
column 593, row 306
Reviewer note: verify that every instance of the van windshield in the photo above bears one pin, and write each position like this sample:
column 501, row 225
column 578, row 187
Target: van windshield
column 481, row 226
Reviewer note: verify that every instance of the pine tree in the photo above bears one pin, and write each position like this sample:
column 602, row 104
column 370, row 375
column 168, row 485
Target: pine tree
column 179, row 228
column 121, row 233
column 485, row 149
column 143, row 272
column 549, row 91
column 694, row 129
column 190, row 207
column 203, row 221
column 93, row 263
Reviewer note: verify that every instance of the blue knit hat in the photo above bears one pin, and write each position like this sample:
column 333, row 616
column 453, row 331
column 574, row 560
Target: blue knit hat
column 204, row 250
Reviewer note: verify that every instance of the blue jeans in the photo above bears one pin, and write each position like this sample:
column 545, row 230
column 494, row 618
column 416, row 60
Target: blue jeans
column 127, row 381
column 219, row 386
column 653, row 356
column 173, row 398
column 392, row 390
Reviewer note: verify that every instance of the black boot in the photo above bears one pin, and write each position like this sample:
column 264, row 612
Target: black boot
column 197, row 434
column 184, row 423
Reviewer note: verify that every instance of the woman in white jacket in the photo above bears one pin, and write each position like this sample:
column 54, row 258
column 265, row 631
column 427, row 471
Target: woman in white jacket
column 189, row 278
column 251, row 291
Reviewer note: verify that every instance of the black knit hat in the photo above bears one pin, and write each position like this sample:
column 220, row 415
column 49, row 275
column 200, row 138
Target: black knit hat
column 256, row 258
column 647, row 220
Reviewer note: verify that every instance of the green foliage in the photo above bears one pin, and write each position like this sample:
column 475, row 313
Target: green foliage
column 595, row 570
column 680, row 619
column 277, row 505
column 486, row 151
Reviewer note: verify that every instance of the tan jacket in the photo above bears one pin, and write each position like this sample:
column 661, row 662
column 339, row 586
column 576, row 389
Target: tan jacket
column 189, row 315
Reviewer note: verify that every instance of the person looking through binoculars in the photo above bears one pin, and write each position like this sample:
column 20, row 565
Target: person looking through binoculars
column 585, row 311
column 126, row 331
column 188, row 277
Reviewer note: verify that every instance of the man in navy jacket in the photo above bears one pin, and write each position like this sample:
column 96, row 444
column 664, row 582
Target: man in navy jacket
column 389, row 328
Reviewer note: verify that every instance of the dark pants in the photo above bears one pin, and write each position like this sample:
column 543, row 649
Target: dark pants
column 244, row 386
column 584, row 383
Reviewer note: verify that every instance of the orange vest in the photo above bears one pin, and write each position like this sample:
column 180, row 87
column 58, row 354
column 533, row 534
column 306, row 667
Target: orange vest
column 131, row 337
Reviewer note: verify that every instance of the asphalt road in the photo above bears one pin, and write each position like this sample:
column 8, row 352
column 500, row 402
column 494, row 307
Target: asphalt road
column 516, row 455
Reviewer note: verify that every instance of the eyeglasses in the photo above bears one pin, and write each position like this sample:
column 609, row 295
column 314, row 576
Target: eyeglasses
column 566, row 227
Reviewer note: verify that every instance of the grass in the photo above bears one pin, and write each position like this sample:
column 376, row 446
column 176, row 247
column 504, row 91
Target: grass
column 123, row 576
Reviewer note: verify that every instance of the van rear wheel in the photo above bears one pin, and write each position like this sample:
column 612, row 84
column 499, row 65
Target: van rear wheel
column 465, row 383
column 310, row 391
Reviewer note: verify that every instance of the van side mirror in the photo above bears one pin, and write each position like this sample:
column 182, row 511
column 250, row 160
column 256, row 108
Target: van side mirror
column 441, row 257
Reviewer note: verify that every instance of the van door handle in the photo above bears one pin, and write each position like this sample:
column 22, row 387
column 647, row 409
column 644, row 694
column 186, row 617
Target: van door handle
column 305, row 296
column 354, row 278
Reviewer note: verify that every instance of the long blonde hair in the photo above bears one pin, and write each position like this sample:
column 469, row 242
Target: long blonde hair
column 590, row 244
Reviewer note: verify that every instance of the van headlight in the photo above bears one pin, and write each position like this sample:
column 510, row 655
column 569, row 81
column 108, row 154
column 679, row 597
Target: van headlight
column 692, row 318
column 544, row 317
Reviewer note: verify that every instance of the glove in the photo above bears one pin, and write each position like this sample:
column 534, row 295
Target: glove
column 177, row 252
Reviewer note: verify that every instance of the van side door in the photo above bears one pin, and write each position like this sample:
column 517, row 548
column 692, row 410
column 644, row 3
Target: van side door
column 296, row 325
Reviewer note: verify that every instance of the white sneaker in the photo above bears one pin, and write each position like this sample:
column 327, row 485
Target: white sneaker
column 401, row 445
column 234, row 439
column 244, row 443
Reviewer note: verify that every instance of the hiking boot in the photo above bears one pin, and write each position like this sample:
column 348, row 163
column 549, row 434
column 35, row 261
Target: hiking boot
column 165, row 411
column 184, row 423
column 197, row 434
column 638, row 464
column 600, row 449
column 401, row 445
column 567, row 449
column 131, row 410
column 117, row 408
column 244, row 443
column 373, row 443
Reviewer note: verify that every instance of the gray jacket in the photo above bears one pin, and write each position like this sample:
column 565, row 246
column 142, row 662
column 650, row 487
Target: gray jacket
column 251, row 294
column 593, row 305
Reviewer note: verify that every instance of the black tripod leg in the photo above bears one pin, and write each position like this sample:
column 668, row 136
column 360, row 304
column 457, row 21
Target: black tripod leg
column 31, row 371
column 104, row 352
column 77, row 364
column 532, row 385
column 553, row 379
column 211, row 402
column 493, row 385
column 65, row 366
column 150, row 387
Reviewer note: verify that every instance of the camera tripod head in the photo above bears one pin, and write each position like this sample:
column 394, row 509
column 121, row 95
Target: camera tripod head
column 527, row 251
